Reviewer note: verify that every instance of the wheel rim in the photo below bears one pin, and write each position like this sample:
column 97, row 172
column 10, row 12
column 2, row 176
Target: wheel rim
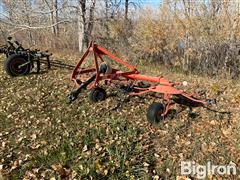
column 159, row 115
column 100, row 96
column 15, row 69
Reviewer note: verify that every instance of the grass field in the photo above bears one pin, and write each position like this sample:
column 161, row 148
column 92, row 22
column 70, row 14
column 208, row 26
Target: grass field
column 44, row 137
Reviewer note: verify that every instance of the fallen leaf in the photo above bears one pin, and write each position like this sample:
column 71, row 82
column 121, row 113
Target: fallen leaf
column 156, row 177
column 84, row 148
column 182, row 178
column 145, row 164
column 56, row 167
column 33, row 137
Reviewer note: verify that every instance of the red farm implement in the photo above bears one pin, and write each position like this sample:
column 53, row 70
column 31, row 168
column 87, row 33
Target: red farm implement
column 134, row 83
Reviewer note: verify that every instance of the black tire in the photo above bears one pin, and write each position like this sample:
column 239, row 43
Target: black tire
column 154, row 113
column 97, row 94
column 12, row 63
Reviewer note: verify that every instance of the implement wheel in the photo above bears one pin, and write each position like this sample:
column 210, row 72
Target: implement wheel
column 97, row 94
column 13, row 62
column 154, row 113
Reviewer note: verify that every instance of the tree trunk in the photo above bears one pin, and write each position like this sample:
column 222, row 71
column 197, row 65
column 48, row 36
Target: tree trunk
column 82, row 25
column 80, row 35
column 28, row 23
column 126, row 10
column 90, row 22
column 85, row 27
column 55, row 17
column 106, row 17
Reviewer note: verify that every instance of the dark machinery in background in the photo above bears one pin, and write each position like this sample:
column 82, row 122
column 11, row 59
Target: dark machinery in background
column 20, row 61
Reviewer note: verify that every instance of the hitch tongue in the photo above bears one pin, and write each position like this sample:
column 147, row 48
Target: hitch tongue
column 72, row 96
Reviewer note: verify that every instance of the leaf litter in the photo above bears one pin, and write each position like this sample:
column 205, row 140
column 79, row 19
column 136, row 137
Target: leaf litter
column 44, row 137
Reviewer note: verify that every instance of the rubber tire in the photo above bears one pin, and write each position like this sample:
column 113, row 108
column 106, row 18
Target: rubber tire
column 154, row 113
column 97, row 94
column 11, row 59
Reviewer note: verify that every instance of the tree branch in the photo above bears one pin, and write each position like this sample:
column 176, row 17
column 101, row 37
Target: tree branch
column 24, row 26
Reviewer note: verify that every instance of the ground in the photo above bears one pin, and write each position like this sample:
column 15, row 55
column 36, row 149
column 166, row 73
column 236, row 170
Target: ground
column 44, row 137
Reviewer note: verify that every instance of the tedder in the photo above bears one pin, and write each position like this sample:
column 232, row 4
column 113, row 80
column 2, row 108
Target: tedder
column 99, row 73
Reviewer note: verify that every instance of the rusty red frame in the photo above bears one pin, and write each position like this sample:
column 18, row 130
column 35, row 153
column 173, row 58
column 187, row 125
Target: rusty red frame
column 163, row 85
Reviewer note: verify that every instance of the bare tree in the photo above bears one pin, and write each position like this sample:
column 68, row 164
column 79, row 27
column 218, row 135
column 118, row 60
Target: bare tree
column 90, row 21
column 85, row 22
column 53, row 9
column 126, row 10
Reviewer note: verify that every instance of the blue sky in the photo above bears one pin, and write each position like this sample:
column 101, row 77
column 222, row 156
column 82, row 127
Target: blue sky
column 153, row 3
column 150, row 2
